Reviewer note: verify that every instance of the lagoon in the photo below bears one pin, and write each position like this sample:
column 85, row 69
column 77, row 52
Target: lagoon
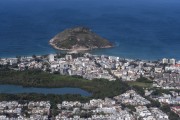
column 16, row 89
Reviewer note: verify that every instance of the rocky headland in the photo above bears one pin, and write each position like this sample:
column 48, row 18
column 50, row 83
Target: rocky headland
column 79, row 39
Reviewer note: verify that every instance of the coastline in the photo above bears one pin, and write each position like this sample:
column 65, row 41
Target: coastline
column 112, row 51
column 95, row 51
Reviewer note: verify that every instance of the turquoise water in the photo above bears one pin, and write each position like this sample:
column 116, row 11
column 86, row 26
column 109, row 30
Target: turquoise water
column 15, row 89
column 139, row 28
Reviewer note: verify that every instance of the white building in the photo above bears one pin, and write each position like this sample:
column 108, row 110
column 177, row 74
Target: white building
column 164, row 60
column 51, row 58
column 68, row 57
column 172, row 61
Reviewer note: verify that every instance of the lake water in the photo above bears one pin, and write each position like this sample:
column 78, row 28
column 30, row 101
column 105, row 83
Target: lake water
column 15, row 89
column 147, row 29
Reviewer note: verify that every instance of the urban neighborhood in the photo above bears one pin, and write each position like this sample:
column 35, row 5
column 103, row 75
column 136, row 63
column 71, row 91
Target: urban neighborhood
column 161, row 75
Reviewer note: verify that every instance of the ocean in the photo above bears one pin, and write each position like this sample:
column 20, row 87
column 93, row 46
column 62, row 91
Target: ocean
column 143, row 29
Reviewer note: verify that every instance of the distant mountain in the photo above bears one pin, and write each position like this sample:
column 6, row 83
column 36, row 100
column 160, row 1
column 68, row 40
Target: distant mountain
column 79, row 38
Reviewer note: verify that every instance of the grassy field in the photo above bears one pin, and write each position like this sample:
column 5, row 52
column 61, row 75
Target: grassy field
column 140, row 84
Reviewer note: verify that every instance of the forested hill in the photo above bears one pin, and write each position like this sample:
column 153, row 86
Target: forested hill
column 79, row 38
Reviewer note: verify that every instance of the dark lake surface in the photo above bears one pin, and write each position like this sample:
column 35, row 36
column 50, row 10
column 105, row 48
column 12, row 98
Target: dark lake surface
column 145, row 29
column 15, row 89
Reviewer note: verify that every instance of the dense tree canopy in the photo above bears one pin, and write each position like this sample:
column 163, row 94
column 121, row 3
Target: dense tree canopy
column 99, row 88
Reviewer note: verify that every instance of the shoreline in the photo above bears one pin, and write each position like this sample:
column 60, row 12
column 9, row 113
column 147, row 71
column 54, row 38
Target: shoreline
column 96, row 51
column 93, row 52
column 75, row 52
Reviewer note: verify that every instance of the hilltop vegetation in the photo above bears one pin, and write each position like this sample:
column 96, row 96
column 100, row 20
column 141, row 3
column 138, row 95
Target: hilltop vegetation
column 80, row 38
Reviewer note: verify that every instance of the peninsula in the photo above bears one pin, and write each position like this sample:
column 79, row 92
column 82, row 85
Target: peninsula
column 79, row 39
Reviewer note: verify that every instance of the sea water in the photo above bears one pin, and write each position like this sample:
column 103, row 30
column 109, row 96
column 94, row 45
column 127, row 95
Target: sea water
column 144, row 29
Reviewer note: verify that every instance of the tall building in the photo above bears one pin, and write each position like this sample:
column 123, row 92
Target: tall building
column 68, row 57
column 51, row 58
column 172, row 61
column 164, row 60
